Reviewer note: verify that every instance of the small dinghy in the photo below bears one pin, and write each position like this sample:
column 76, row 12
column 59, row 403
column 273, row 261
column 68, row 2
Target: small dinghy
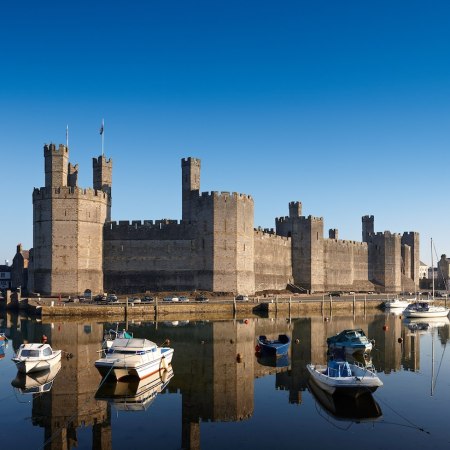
column 351, row 341
column 36, row 357
column 344, row 377
column 275, row 347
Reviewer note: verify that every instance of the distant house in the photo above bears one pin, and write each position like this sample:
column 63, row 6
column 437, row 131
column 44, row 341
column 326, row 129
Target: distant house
column 423, row 270
column 19, row 270
column 5, row 277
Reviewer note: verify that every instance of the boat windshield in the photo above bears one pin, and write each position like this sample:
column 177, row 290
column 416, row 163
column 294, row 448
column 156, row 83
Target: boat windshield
column 29, row 353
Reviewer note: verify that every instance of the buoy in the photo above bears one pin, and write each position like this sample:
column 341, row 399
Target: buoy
column 297, row 341
column 257, row 348
column 246, row 321
column 400, row 340
column 385, row 328
column 326, row 319
column 44, row 338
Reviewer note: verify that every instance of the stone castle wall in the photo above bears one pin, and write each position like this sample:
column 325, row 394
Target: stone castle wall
column 273, row 262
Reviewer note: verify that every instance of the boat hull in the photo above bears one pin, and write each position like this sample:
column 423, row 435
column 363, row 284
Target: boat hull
column 31, row 365
column 411, row 314
column 277, row 347
column 362, row 380
column 121, row 368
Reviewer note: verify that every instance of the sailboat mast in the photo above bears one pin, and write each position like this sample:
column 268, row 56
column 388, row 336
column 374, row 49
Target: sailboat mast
column 432, row 268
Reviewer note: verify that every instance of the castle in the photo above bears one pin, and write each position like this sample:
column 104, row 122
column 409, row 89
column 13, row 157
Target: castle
column 215, row 247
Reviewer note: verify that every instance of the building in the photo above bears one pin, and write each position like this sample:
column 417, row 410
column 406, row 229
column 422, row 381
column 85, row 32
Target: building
column 5, row 277
column 215, row 247
column 19, row 269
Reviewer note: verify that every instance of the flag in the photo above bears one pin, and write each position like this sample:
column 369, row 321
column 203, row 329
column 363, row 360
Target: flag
column 102, row 127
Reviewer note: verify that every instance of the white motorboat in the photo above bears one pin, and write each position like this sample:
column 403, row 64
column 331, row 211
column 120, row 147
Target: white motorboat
column 398, row 303
column 36, row 357
column 425, row 325
column 425, row 310
column 135, row 394
column 38, row 382
column 344, row 377
column 111, row 335
column 134, row 357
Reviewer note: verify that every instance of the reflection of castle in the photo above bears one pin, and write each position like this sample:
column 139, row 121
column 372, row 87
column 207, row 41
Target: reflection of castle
column 214, row 365
column 70, row 403
column 215, row 247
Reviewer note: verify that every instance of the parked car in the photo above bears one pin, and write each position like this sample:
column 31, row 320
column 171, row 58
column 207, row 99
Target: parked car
column 335, row 294
column 201, row 298
column 183, row 299
column 147, row 298
column 242, row 298
column 171, row 298
column 134, row 300
column 112, row 298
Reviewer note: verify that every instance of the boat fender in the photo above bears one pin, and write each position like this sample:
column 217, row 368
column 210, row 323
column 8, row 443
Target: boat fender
column 400, row 340
column 164, row 363
column 257, row 348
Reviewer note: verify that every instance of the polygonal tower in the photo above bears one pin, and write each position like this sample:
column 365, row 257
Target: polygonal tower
column 67, row 230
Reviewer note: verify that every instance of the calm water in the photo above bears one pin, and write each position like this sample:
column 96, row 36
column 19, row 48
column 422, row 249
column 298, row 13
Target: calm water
column 222, row 397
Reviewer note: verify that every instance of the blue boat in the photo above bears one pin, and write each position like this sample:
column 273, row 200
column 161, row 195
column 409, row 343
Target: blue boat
column 275, row 347
column 350, row 341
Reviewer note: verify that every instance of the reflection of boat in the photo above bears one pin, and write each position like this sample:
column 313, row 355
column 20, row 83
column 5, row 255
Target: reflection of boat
column 425, row 310
column 3, row 338
column 134, row 357
column 273, row 361
column 342, row 376
column 397, row 303
column 36, row 357
column 134, row 395
column 2, row 351
column 37, row 382
column 350, row 340
column 276, row 347
column 359, row 408
column 425, row 324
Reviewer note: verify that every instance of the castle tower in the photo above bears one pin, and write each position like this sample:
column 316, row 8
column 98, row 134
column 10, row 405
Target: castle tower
column 56, row 165
column 295, row 209
column 412, row 269
column 190, row 184
column 67, row 230
column 102, row 178
column 367, row 227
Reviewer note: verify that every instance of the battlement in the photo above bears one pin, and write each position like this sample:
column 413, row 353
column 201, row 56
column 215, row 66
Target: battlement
column 346, row 243
column 368, row 218
column 149, row 229
column 225, row 195
column 190, row 161
column 268, row 233
column 287, row 219
column 410, row 234
column 68, row 192
column 101, row 161
column 386, row 234
column 50, row 149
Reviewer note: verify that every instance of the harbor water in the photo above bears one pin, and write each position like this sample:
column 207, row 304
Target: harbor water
column 219, row 394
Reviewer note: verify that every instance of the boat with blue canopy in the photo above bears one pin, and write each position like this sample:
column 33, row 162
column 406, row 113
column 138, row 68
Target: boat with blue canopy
column 274, row 347
column 351, row 341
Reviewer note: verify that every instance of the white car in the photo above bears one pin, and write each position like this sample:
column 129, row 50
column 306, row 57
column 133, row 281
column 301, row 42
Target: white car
column 171, row 298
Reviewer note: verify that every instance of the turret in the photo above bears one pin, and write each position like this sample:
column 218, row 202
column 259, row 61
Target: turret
column 102, row 179
column 190, row 168
column 367, row 227
column 295, row 209
column 56, row 165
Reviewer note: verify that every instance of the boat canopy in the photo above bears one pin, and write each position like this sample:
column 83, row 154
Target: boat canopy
column 133, row 344
column 339, row 369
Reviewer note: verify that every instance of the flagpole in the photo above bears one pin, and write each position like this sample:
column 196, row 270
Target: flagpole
column 103, row 136
column 67, row 136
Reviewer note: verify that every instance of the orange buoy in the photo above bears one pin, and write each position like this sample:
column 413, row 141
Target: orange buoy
column 44, row 338
column 385, row 328
column 246, row 321
column 257, row 348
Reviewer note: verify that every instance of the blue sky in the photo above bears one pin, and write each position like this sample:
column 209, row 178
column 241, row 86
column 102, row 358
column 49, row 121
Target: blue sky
column 344, row 106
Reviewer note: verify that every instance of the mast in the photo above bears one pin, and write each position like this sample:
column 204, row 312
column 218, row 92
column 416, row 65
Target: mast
column 432, row 269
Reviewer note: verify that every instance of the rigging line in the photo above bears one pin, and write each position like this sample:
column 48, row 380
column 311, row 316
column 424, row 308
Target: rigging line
column 440, row 364
column 403, row 417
